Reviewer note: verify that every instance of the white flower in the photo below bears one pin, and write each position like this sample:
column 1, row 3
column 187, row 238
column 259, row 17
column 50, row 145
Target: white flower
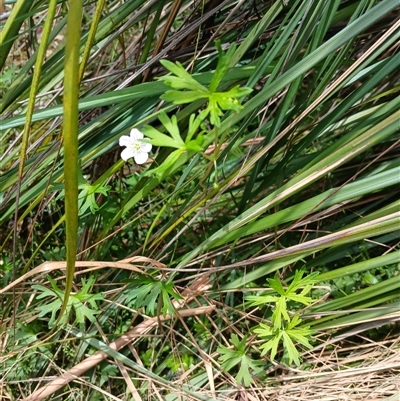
column 135, row 148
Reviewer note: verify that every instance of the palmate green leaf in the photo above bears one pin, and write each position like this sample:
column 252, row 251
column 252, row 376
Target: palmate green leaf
column 224, row 60
column 276, row 284
column 244, row 376
column 280, row 312
column 87, row 196
column 160, row 139
column 167, row 292
column 145, row 295
column 273, row 336
column 75, row 302
column 52, row 307
column 264, row 331
column 215, row 112
column 217, row 101
column 85, row 294
column 300, row 298
column 291, row 351
column 300, row 334
column 225, row 102
column 257, row 300
column 284, row 328
column 232, row 357
column 182, row 80
column 171, row 125
column 298, row 282
column 145, row 292
column 229, row 357
column 229, row 100
column 287, row 334
column 175, row 141
column 195, row 122
column 82, row 312
column 239, row 344
column 290, row 294
column 196, row 145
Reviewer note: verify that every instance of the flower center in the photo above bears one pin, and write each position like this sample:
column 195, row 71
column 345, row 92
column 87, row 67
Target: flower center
column 136, row 146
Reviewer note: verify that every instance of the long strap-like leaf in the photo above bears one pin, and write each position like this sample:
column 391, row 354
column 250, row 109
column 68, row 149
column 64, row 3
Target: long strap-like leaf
column 70, row 137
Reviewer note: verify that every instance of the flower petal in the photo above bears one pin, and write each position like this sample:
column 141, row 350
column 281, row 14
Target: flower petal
column 125, row 141
column 127, row 153
column 136, row 134
column 145, row 146
column 140, row 157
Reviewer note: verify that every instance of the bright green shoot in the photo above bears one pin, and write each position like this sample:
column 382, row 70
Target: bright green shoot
column 187, row 90
column 285, row 329
column 284, row 295
column 289, row 334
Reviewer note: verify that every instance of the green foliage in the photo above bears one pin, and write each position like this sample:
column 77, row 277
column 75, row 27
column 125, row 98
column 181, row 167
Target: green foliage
column 19, row 365
column 177, row 364
column 287, row 334
column 188, row 90
column 238, row 357
column 175, row 140
column 87, row 196
column 152, row 295
column 107, row 372
column 285, row 329
column 76, row 302
column 285, row 295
